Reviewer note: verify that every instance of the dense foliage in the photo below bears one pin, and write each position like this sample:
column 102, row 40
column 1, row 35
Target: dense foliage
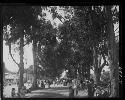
column 79, row 44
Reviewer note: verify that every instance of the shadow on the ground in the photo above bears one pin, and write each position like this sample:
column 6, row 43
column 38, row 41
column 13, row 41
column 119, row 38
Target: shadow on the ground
column 53, row 89
column 49, row 95
column 56, row 88
column 53, row 93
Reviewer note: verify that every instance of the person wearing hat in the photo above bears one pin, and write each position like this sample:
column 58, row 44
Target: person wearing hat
column 75, row 86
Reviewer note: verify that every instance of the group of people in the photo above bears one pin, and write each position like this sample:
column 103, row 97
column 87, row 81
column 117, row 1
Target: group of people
column 20, row 94
column 42, row 83
column 75, row 84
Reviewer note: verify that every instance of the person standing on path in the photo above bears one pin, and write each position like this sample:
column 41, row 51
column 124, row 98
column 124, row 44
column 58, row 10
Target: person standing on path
column 71, row 90
column 75, row 86
column 54, row 83
column 13, row 94
column 91, row 89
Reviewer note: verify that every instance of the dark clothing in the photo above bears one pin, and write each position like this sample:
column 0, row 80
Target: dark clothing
column 90, row 90
column 42, row 85
column 71, row 92
column 13, row 93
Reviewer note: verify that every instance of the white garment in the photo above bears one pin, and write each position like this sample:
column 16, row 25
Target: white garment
column 74, row 86
column 75, row 83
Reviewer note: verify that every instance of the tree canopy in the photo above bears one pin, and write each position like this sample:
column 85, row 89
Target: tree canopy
column 80, row 43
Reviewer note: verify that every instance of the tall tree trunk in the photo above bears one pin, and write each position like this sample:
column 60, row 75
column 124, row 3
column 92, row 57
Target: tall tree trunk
column 95, row 55
column 21, row 65
column 3, row 72
column 96, row 69
column 113, row 56
column 35, row 62
column 90, row 87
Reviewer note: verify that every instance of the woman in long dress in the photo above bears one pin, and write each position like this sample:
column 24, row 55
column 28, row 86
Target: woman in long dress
column 75, row 86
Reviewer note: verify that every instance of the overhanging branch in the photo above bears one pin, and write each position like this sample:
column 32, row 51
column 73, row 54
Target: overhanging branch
column 116, row 29
column 11, row 54
column 30, row 40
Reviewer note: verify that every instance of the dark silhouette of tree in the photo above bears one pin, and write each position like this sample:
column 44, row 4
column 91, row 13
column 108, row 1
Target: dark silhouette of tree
column 20, row 19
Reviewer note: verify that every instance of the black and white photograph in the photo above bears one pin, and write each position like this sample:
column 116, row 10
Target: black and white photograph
column 61, row 51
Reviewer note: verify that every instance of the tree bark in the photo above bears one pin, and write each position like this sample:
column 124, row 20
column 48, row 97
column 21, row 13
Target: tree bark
column 90, row 88
column 3, row 72
column 114, row 76
column 21, row 65
column 97, row 65
column 11, row 55
column 35, row 63
column 96, row 69
column 95, row 54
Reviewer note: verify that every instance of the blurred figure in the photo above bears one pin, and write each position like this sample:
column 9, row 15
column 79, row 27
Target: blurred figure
column 91, row 89
column 13, row 94
column 42, row 84
column 17, row 82
column 28, row 86
column 71, row 90
column 49, row 84
column 75, row 86
column 22, row 92
column 54, row 83
column 38, row 82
